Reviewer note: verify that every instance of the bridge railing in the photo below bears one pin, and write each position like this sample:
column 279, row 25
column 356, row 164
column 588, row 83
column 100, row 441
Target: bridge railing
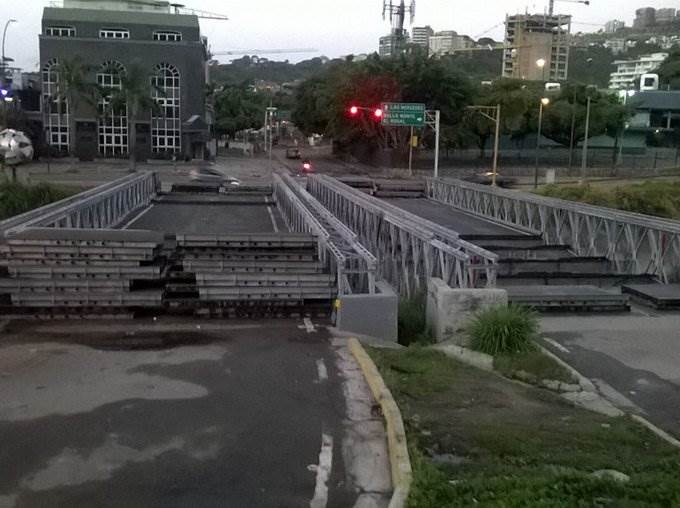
column 360, row 265
column 409, row 249
column 633, row 242
column 103, row 207
column 301, row 220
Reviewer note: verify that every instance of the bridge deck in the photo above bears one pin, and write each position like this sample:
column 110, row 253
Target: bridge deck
column 209, row 219
column 461, row 222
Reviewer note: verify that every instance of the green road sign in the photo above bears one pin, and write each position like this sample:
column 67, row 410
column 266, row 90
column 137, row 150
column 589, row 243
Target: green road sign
column 403, row 114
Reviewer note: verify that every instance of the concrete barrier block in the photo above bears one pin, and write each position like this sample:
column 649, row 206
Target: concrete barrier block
column 449, row 309
column 374, row 315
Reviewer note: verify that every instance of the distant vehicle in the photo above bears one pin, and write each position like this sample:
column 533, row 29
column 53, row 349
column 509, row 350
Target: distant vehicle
column 487, row 179
column 209, row 175
column 15, row 147
column 293, row 153
column 307, row 167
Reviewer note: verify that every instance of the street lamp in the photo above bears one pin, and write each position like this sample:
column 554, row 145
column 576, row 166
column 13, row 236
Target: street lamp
column 584, row 153
column 540, row 63
column 544, row 102
column 4, row 36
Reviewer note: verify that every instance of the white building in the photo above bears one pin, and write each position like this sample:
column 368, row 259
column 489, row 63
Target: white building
column 420, row 35
column 447, row 42
column 617, row 45
column 612, row 26
column 628, row 72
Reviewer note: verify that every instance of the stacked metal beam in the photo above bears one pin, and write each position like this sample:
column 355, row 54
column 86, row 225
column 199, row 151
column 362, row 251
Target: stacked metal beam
column 280, row 268
column 82, row 271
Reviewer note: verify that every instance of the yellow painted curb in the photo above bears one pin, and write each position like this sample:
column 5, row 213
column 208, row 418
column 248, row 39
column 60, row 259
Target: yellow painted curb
column 396, row 436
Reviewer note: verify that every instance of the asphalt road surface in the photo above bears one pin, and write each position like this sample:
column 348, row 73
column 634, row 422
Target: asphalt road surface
column 458, row 221
column 209, row 219
column 634, row 359
column 190, row 413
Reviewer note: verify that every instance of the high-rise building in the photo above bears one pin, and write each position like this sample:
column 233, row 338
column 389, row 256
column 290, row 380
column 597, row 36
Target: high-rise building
column 393, row 44
column 531, row 39
column 644, row 17
column 447, row 42
column 421, row 35
column 665, row 16
column 629, row 71
column 613, row 26
column 111, row 39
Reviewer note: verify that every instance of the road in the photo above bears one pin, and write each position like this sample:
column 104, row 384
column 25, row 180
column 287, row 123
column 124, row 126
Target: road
column 634, row 359
column 177, row 413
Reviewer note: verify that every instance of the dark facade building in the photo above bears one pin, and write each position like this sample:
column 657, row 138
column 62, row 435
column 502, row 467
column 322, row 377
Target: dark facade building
column 110, row 38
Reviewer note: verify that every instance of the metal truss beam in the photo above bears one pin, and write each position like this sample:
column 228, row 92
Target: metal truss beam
column 409, row 249
column 634, row 243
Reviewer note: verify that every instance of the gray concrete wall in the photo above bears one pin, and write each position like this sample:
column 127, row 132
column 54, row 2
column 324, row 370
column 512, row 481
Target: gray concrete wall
column 374, row 315
column 449, row 310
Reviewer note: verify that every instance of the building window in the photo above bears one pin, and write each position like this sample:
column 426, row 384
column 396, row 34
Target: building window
column 166, row 36
column 114, row 33
column 166, row 123
column 55, row 107
column 60, row 31
column 112, row 123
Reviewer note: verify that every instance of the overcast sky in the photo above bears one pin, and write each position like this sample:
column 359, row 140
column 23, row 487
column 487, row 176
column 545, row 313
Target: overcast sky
column 334, row 27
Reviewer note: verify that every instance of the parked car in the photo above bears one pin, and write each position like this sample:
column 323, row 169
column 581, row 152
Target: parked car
column 487, row 179
column 293, row 153
column 210, row 175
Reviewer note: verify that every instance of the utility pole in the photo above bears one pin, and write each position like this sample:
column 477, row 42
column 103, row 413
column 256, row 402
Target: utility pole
column 543, row 102
column 584, row 155
column 437, row 119
column 410, row 154
column 492, row 113
column 270, row 115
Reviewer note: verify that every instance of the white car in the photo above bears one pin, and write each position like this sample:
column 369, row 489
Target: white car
column 209, row 175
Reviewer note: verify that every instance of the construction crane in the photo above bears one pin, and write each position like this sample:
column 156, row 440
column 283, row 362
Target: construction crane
column 551, row 8
column 279, row 51
column 477, row 37
column 179, row 9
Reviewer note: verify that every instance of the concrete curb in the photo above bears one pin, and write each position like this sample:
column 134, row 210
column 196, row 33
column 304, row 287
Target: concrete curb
column 400, row 463
column 585, row 383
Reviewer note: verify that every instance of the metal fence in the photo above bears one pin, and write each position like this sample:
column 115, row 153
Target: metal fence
column 409, row 249
column 355, row 273
column 634, row 243
column 103, row 207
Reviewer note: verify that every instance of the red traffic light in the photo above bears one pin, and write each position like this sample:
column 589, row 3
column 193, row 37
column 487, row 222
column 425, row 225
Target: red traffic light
column 378, row 114
column 353, row 110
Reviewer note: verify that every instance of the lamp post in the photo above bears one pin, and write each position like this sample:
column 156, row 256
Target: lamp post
column 544, row 102
column 4, row 36
column 540, row 63
column 584, row 155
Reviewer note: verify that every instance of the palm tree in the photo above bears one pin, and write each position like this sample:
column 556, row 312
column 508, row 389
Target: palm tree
column 134, row 93
column 73, row 85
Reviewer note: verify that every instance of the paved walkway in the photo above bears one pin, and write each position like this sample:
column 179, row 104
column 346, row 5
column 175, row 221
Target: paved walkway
column 633, row 358
column 186, row 413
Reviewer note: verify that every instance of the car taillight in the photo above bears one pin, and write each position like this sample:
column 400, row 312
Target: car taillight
column 307, row 166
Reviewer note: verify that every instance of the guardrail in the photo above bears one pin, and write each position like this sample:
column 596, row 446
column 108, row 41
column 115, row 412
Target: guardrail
column 409, row 248
column 633, row 242
column 99, row 208
column 300, row 219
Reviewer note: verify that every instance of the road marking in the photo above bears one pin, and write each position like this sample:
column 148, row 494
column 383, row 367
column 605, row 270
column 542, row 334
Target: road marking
column 322, row 371
column 556, row 345
column 271, row 216
column 135, row 219
column 308, row 325
column 323, row 472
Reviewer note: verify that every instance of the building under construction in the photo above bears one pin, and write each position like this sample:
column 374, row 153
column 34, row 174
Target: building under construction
column 532, row 38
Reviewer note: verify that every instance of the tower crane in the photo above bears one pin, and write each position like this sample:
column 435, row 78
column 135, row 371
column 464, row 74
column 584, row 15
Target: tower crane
column 179, row 9
column 551, row 8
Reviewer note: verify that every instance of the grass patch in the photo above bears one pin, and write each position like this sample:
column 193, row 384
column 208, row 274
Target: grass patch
column 17, row 198
column 479, row 440
column 661, row 199
column 535, row 364
column 412, row 321
column 503, row 330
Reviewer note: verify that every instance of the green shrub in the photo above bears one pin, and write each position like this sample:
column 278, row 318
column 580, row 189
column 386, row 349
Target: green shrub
column 503, row 330
column 17, row 198
column 412, row 322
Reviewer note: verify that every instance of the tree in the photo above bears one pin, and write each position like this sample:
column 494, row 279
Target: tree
column 135, row 95
column 73, row 85
column 669, row 71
